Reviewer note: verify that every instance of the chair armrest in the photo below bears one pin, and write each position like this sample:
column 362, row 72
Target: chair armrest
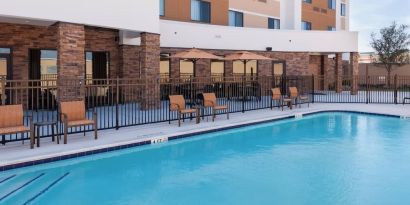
column 64, row 117
column 174, row 104
column 212, row 103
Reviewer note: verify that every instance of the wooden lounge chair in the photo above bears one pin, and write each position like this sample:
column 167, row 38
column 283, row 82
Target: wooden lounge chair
column 210, row 101
column 294, row 94
column 177, row 103
column 12, row 122
column 73, row 115
column 277, row 96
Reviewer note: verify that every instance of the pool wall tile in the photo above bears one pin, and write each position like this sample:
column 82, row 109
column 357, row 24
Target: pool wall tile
column 148, row 142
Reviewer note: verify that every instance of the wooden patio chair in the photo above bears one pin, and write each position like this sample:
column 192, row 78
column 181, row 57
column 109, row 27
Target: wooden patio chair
column 277, row 96
column 210, row 101
column 12, row 122
column 177, row 103
column 294, row 94
column 73, row 115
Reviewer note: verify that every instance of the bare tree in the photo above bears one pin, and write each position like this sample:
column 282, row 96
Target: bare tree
column 392, row 47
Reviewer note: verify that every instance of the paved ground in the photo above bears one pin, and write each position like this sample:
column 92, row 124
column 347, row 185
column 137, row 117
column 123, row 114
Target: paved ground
column 16, row 152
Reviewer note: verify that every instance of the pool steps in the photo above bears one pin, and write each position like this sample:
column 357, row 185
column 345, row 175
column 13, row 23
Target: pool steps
column 27, row 188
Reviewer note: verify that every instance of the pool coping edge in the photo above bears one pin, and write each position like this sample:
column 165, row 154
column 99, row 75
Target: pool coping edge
column 175, row 136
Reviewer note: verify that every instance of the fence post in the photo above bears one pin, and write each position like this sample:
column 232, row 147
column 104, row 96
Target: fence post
column 191, row 90
column 367, row 89
column 3, row 85
column 243, row 94
column 395, row 89
column 117, row 109
column 313, row 88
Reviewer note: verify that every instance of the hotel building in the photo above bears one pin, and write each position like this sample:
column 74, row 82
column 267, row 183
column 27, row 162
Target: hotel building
column 46, row 39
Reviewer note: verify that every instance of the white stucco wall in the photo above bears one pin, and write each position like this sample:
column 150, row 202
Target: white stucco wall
column 188, row 35
column 132, row 15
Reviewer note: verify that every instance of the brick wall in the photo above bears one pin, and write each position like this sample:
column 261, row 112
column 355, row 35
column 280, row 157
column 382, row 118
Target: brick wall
column 70, row 61
column 296, row 63
column 21, row 38
column 104, row 40
column 129, row 61
column 150, row 58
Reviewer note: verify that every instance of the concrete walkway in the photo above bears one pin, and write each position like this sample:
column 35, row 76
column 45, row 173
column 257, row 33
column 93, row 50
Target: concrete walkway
column 17, row 152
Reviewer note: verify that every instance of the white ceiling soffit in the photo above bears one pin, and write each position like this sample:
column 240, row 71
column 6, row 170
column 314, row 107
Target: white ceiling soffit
column 27, row 21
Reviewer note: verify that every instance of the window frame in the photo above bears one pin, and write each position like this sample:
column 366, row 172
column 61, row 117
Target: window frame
column 307, row 1
column 307, row 23
column 331, row 4
column 201, row 2
column 9, row 57
column 236, row 13
column 276, row 23
column 343, row 9
column 162, row 11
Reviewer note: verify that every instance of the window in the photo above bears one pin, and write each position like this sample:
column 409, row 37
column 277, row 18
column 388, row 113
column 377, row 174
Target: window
column 331, row 28
column 4, row 50
column 251, row 68
column 306, row 25
column 186, row 69
column 201, row 11
column 235, row 19
column 273, row 23
column 307, row 1
column 331, row 4
column 164, row 66
column 96, row 66
column 48, row 64
column 162, row 7
column 343, row 10
column 217, row 70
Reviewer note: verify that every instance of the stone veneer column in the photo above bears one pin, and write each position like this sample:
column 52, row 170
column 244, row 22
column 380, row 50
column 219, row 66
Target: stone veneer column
column 338, row 72
column 70, row 61
column 203, row 68
column 228, row 66
column 354, row 72
column 325, row 61
column 174, row 68
column 150, row 63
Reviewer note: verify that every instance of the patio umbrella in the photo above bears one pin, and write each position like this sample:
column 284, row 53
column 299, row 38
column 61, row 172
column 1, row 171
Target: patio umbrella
column 245, row 57
column 194, row 55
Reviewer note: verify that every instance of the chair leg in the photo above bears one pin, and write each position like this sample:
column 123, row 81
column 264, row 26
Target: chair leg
column 179, row 119
column 227, row 114
column 95, row 131
column 84, row 130
column 65, row 133
column 213, row 115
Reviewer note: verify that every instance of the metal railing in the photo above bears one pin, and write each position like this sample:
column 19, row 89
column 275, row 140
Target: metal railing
column 127, row 102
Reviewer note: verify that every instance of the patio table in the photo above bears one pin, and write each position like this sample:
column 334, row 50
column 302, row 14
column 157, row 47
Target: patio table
column 38, row 125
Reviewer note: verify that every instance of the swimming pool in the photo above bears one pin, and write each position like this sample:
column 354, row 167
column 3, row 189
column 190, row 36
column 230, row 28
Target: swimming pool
column 328, row 158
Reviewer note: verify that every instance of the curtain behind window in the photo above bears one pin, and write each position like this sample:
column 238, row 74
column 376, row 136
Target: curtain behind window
column 195, row 10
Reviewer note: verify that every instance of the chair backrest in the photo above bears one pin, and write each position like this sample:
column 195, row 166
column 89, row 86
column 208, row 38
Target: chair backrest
column 209, row 99
column 276, row 94
column 75, row 110
column 176, row 102
column 293, row 92
column 11, row 116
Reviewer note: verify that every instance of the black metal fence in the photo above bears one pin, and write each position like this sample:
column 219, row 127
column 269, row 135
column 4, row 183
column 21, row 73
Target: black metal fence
column 129, row 102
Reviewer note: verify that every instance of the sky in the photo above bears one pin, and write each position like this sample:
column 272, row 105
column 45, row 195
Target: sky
column 367, row 16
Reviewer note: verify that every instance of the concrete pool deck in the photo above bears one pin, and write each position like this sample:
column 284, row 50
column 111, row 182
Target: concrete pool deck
column 16, row 152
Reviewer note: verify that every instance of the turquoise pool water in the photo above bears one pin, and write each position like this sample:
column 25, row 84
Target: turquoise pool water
column 329, row 158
